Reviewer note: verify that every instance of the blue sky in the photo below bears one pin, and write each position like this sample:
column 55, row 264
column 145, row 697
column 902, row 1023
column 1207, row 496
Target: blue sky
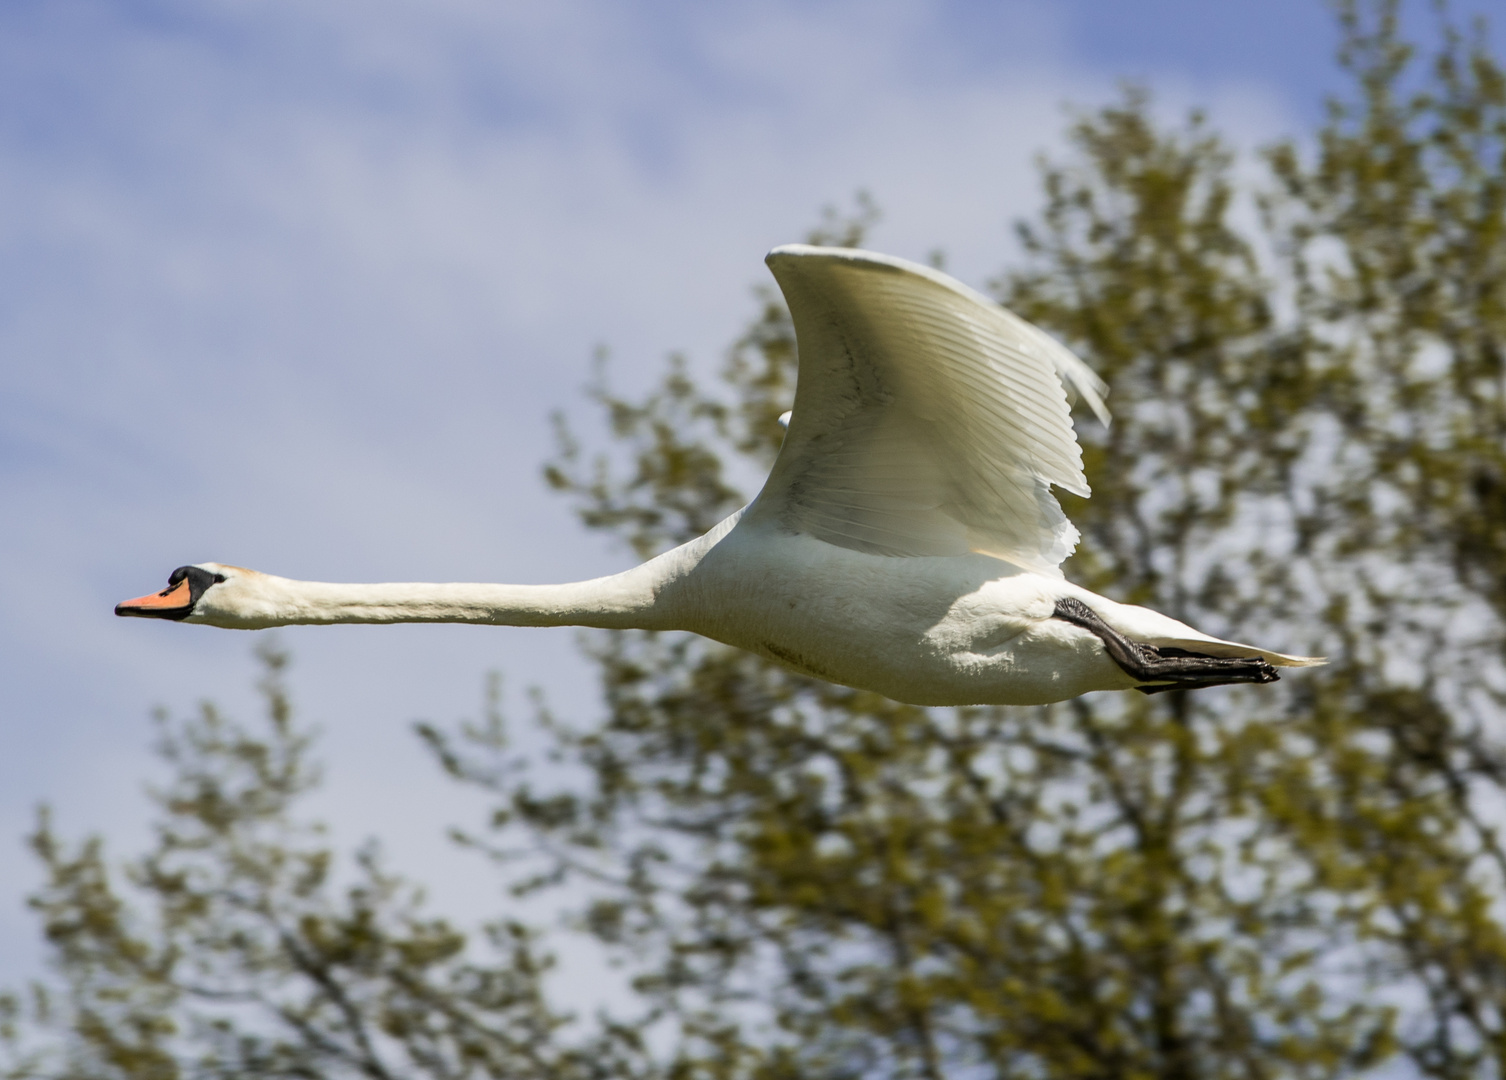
column 296, row 285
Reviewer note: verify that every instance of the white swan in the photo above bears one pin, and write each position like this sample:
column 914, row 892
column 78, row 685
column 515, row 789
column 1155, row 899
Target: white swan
column 906, row 541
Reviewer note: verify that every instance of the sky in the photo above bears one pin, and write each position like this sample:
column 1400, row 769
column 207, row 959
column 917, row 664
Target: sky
column 296, row 286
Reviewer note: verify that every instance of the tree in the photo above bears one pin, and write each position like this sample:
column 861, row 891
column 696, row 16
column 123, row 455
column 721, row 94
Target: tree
column 252, row 961
column 812, row 881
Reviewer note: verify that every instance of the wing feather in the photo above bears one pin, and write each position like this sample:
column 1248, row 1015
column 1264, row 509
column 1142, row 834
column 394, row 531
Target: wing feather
column 928, row 420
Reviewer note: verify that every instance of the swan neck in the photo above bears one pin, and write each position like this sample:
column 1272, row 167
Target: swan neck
column 651, row 596
column 617, row 602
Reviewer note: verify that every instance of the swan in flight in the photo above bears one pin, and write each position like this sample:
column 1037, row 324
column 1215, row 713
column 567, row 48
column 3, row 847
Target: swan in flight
column 906, row 540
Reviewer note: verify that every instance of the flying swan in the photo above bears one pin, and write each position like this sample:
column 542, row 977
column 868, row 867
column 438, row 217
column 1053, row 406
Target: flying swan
column 906, row 540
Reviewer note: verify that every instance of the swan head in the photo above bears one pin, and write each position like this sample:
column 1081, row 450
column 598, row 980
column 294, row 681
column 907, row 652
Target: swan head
column 213, row 593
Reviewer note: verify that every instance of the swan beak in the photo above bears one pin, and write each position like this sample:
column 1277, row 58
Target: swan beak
column 173, row 602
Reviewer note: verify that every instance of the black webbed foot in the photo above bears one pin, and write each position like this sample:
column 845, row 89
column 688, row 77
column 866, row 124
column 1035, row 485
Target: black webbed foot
column 1165, row 668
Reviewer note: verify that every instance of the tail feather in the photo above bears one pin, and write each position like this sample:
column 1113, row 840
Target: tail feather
column 1233, row 650
column 1150, row 627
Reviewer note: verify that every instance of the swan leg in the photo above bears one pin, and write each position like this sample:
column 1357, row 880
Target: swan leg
column 1165, row 668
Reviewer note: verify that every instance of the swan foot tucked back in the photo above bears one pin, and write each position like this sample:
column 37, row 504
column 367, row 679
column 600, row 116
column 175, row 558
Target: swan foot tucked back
column 906, row 540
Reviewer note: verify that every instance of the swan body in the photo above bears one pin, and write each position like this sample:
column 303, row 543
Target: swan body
column 906, row 541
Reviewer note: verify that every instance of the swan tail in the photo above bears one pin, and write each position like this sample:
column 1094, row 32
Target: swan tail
column 1233, row 650
column 1150, row 627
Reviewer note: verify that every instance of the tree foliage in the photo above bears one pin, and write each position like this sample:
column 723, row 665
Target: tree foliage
column 252, row 959
column 1309, row 447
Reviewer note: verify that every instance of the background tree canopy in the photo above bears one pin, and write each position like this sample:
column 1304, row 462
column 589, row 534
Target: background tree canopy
column 1308, row 371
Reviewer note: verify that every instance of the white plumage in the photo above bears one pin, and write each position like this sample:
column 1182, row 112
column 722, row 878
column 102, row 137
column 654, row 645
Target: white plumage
column 906, row 541
column 927, row 420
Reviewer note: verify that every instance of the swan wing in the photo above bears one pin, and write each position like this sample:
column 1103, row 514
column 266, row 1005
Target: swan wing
column 928, row 420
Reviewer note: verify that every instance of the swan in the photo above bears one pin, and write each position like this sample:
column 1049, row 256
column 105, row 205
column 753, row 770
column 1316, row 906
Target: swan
column 906, row 540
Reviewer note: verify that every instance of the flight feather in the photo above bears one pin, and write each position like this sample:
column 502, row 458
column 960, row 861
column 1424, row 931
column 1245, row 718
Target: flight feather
column 928, row 420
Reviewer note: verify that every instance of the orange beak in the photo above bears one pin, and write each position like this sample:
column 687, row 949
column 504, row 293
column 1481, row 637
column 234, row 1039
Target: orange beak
column 173, row 602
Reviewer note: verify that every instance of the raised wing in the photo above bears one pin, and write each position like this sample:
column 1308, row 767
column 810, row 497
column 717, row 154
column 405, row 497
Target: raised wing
column 928, row 420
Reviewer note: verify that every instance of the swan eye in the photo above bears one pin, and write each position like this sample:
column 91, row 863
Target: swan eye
column 198, row 579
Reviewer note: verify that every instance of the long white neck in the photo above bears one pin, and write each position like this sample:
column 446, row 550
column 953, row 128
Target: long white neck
column 647, row 597
column 604, row 602
column 255, row 601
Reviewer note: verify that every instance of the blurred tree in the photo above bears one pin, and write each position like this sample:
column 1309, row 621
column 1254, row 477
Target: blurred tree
column 1309, row 382
column 250, row 960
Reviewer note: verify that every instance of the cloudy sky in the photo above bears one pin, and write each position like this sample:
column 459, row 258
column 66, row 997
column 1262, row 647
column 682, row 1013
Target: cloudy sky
column 296, row 285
